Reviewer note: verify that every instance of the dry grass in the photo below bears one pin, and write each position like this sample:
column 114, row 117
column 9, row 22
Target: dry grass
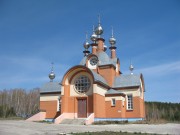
column 161, row 121
column 109, row 122
column 12, row 118
column 111, row 133
column 43, row 121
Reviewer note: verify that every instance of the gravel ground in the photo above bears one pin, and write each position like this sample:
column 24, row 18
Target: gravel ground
column 20, row 127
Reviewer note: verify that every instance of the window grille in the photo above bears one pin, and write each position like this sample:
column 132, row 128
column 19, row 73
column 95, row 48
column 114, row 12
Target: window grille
column 82, row 84
column 113, row 102
column 129, row 102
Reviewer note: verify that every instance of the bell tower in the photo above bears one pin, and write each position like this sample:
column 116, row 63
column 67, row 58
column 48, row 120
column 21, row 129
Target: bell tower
column 94, row 44
column 86, row 46
column 99, row 32
column 112, row 41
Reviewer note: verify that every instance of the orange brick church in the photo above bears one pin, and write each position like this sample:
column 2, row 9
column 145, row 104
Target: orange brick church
column 95, row 89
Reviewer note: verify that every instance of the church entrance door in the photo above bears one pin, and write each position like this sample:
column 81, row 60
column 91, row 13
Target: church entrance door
column 82, row 108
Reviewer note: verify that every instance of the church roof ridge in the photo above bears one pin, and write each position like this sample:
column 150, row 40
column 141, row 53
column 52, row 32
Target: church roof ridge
column 112, row 91
column 127, row 81
column 50, row 87
column 103, row 58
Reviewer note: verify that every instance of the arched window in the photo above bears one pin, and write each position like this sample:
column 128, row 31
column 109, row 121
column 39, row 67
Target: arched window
column 82, row 84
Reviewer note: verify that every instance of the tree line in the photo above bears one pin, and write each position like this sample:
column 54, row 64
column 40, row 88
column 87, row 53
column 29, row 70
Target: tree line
column 157, row 111
column 18, row 102
column 23, row 103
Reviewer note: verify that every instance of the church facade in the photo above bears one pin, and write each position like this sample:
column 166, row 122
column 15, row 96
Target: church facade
column 95, row 89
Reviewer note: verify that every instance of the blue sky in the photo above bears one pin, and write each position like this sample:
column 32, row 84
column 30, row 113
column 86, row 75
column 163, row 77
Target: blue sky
column 34, row 33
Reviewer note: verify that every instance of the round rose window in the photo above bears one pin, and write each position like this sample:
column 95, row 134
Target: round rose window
column 82, row 84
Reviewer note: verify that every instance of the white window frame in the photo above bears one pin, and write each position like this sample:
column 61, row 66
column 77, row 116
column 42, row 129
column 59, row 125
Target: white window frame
column 113, row 102
column 59, row 104
column 129, row 102
column 89, row 62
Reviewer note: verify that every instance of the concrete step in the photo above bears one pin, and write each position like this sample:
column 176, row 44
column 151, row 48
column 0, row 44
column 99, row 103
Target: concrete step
column 73, row 121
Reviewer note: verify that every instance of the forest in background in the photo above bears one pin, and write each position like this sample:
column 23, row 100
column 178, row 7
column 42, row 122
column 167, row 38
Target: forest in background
column 19, row 102
column 23, row 103
column 160, row 111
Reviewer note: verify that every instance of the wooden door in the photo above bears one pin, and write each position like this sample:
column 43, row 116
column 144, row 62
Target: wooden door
column 82, row 108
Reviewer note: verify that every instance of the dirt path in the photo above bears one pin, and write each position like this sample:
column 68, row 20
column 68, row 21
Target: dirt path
column 14, row 127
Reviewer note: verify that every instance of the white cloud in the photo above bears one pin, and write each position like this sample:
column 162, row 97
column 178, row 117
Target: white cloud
column 162, row 69
column 161, row 80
